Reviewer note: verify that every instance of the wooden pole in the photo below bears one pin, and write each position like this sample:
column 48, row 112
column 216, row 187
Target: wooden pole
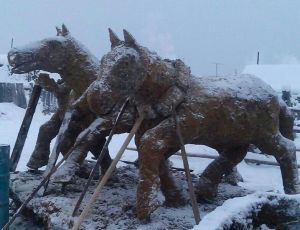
column 199, row 155
column 136, row 165
column 35, row 191
column 100, row 157
column 22, row 135
column 187, row 170
column 108, row 173
column 56, row 149
column 11, row 42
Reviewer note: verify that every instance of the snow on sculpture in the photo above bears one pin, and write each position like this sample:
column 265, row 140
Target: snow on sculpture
column 78, row 68
column 225, row 113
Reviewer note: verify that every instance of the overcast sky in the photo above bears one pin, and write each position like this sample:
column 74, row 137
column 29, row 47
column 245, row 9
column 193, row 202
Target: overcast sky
column 197, row 31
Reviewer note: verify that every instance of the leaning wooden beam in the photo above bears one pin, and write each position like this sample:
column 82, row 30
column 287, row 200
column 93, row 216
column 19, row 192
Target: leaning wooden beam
column 136, row 165
column 188, row 154
column 109, row 171
column 35, row 191
column 100, row 157
column 16, row 153
column 195, row 207
column 247, row 160
column 253, row 161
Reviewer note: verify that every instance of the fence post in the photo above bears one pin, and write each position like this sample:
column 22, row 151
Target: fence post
column 4, row 183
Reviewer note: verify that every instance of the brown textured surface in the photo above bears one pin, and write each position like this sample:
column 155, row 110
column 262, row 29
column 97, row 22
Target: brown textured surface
column 78, row 68
column 227, row 114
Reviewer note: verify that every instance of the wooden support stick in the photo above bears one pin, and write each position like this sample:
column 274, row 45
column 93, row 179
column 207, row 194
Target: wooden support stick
column 35, row 191
column 22, row 135
column 187, row 170
column 199, row 155
column 100, row 157
column 108, row 173
column 135, row 164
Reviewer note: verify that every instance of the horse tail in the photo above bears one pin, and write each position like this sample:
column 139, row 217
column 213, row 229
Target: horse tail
column 286, row 121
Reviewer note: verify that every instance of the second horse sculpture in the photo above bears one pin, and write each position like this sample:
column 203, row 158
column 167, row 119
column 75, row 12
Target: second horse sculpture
column 78, row 68
column 225, row 113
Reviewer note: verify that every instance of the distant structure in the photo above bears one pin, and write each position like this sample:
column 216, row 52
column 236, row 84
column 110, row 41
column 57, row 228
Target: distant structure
column 15, row 88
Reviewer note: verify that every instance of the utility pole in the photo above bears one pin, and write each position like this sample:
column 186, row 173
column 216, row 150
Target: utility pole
column 235, row 72
column 217, row 64
column 12, row 43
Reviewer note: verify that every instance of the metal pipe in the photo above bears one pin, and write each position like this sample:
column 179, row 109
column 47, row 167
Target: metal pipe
column 4, row 183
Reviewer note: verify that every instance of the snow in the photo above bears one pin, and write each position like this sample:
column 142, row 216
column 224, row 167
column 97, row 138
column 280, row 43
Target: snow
column 280, row 77
column 237, row 209
column 244, row 86
column 11, row 117
column 4, row 72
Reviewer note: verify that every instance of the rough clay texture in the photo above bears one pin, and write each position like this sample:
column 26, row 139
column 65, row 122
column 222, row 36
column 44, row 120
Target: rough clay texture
column 78, row 68
column 225, row 113
column 115, row 207
column 211, row 111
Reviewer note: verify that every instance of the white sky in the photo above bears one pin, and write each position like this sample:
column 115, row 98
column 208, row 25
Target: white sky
column 200, row 32
column 280, row 77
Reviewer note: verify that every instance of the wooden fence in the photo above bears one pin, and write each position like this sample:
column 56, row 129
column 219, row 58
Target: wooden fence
column 13, row 92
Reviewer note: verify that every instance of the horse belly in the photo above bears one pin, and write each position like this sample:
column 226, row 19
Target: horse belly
column 234, row 121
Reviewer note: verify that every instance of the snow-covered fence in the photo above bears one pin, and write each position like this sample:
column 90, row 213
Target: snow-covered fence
column 13, row 92
column 49, row 102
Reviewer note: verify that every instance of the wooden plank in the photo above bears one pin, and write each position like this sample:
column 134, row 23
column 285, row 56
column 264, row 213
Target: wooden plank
column 247, row 160
column 22, row 135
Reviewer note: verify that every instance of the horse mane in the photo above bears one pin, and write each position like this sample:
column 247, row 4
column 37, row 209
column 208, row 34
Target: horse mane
column 177, row 69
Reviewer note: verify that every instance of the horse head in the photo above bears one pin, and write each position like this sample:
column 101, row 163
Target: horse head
column 48, row 54
column 122, row 70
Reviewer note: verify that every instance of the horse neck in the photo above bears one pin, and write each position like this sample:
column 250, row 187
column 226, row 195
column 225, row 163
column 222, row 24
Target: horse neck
column 81, row 69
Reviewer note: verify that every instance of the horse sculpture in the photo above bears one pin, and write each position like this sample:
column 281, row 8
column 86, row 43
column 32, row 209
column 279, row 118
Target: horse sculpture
column 78, row 68
column 225, row 113
column 67, row 171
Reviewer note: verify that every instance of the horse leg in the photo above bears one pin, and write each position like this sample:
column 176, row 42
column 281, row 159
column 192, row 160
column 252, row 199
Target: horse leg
column 284, row 151
column 233, row 177
column 170, row 189
column 154, row 144
column 47, row 132
column 96, row 150
column 207, row 186
column 87, row 138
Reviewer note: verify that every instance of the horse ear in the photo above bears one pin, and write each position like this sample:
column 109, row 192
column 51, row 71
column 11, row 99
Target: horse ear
column 114, row 40
column 58, row 31
column 65, row 30
column 128, row 38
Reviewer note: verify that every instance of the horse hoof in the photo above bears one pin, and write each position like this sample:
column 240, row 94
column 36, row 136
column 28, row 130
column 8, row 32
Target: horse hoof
column 143, row 218
column 233, row 178
column 65, row 173
column 36, row 162
column 179, row 202
column 294, row 189
column 175, row 199
column 206, row 190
